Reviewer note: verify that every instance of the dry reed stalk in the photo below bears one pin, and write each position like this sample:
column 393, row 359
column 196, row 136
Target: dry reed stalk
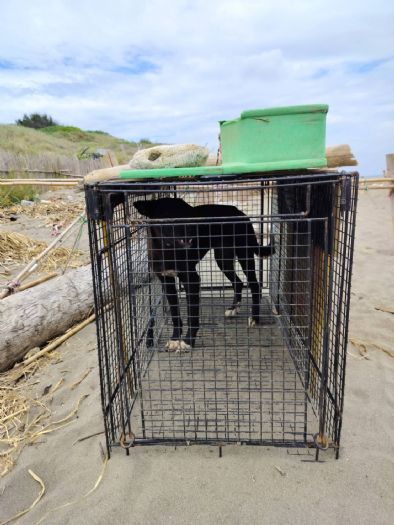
column 55, row 425
column 17, row 248
column 50, row 212
column 24, row 419
column 84, row 496
column 362, row 347
column 59, row 257
column 53, row 389
column 20, row 416
column 40, row 495
column 387, row 309
column 79, row 381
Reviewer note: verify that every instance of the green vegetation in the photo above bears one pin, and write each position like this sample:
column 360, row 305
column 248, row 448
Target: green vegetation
column 26, row 141
column 68, row 141
column 10, row 195
column 70, row 133
column 36, row 121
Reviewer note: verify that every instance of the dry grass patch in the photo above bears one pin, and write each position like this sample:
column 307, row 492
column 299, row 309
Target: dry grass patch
column 18, row 248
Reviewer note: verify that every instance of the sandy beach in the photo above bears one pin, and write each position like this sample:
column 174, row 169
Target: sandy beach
column 192, row 485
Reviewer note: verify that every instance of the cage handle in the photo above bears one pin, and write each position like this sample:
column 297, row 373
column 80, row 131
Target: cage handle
column 127, row 444
column 321, row 441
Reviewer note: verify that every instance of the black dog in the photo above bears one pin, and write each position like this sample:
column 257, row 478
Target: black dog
column 179, row 242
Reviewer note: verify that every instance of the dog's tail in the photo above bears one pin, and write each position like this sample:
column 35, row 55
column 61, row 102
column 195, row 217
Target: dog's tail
column 264, row 251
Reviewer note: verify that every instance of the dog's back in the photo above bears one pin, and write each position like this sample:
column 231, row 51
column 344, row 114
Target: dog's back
column 217, row 225
column 228, row 226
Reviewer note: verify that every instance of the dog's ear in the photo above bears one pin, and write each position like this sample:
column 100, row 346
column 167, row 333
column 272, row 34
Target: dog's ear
column 145, row 208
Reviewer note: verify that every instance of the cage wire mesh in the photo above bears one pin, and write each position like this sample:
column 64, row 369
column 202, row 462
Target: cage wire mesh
column 268, row 363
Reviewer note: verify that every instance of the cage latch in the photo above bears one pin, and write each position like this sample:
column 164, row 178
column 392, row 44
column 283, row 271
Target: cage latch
column 124, row 443
column 94, row 206
column 321, row 441
column 346, row 195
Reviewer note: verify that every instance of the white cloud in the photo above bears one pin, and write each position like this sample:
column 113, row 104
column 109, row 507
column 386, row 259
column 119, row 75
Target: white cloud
column 170, row 70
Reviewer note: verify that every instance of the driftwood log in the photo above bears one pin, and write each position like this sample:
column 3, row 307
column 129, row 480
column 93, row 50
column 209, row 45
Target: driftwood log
column 31, row 318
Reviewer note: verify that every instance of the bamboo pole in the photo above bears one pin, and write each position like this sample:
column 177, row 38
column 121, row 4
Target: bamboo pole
column 32, row 182
column 27, row 170
column 381, row 179
column 40, row 280
column 391, row 187
column 58, row 341
column 76, row 182
column 34, row 262
column 26, row 181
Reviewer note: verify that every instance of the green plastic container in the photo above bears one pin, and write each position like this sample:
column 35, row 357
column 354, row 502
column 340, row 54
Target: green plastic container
column 276, row 135
column 261, row 140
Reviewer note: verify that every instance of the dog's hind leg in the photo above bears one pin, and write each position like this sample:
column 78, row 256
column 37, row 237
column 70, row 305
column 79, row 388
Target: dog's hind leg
column 249, row 268
column 171, row 293
column 225, row 261
column 191, row 283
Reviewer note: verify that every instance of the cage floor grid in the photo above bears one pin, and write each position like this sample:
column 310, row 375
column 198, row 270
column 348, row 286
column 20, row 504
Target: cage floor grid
column 238, row 384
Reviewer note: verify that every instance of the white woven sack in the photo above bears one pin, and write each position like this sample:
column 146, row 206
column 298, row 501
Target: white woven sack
column 175, row 156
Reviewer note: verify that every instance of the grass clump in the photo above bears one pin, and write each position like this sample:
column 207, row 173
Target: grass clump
column 71, row 133
column 10, row 195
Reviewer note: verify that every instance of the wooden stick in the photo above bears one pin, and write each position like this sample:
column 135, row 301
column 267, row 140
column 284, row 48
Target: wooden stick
column 58, row 341
column 34, row 263
column 390, row 173
column 37, row 281
column 87, row 437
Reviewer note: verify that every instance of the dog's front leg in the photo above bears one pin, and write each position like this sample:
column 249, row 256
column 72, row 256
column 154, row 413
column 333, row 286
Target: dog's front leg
column 191, row 283
column 169, row 287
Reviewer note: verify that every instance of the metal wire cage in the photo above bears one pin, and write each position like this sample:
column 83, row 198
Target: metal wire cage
column 270, row 326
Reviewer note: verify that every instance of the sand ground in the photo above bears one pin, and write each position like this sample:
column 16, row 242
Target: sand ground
column 192, row 485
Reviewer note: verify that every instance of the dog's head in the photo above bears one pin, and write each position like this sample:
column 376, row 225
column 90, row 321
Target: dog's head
column 166, row 208
column 170, row 235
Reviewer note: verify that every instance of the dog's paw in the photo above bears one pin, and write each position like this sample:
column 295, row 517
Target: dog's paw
column 178, row 346
column 252, row 322
column 233, row 311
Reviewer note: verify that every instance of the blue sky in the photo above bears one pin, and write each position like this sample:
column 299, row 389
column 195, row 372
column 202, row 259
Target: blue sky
column 169, row 70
